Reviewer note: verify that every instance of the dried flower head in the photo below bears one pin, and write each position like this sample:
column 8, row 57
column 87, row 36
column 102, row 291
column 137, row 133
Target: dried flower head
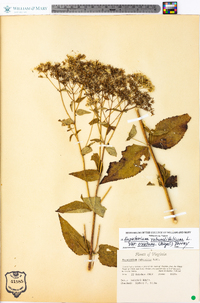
column 97, row 79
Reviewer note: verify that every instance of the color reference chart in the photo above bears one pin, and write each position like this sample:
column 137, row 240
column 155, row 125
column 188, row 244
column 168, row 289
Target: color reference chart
column 169, row 8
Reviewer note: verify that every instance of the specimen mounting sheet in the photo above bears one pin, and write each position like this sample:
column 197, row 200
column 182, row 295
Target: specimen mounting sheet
column 37, row 156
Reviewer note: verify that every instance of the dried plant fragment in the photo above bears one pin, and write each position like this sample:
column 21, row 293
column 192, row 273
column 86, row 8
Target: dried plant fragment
column 108, row 255
column 169, row 181
column 86, row 150
column 66, row 122
column 110, row 127
column 111, row 150
column 81, row 112
column 74, row 207
column 96, row 140
column 94, row 204
column 150, row 184
column 129, row 165
column 143, row 81
column 94, row 121
column 132, row 133
column 73, row 239
column 95, row 157
column 88, row 175
column 164, row 172
column 169, row 132
column 80, row 99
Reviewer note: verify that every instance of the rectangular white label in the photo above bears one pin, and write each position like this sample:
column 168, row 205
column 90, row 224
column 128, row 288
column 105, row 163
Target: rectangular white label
column 158, row 238
column 158, row 276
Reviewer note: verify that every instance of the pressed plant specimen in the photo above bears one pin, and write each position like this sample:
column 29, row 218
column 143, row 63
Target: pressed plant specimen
column 103, row 93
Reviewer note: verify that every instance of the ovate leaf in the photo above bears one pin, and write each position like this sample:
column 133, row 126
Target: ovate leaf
column 132, row 133
column 108, row 255
column 94, row 204
column 111, row 150
column 86, row 150
column 95, row 157
column 96, row 120
column 65, row 122
column 74, row 207
column 169, row 132
column 74, row 240
column 87, row 175
column 81, row 112
column 129, row 165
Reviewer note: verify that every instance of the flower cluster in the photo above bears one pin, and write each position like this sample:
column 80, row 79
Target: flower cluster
column 98, row 79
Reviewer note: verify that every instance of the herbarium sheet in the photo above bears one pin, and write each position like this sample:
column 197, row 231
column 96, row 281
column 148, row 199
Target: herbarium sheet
column 99, row 142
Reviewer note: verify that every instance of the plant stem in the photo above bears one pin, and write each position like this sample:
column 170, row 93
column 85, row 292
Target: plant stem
column 92, row 241
column 94, row 220
column 76, row 133
column 97, row 239
column 174, row 219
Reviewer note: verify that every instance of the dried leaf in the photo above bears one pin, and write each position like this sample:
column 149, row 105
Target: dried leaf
column 105, row 124
column 150, row 184
column 111, row 150
column 91, row 144
column 70, row 138
column 81, row 112
column 94, row 204
column 132, row 133
column 86, row 150
column 96, row 120
column 108, row 255
column 96, row 140
column 164, row 172
column 66, row 121
column 79, row 99
column 95, row 157
column 110, row 127
column 74, row 240
column 129, row 165
column 74, row 207
column 169, row 132
column 169, row 181
column 87, row 175
column 146, row 128
column 71, row 105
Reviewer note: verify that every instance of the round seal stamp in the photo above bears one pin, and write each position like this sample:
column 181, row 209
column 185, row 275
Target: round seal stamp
column 16, row 282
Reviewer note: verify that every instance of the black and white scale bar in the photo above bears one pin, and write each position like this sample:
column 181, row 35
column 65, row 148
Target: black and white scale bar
column 105, row 8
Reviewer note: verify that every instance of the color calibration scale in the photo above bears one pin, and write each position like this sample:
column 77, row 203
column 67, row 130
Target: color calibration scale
column 169, row 7
column 101, row 8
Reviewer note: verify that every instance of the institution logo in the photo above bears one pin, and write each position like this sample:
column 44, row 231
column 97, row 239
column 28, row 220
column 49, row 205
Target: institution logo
column 7, row 9
column 16, row 283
